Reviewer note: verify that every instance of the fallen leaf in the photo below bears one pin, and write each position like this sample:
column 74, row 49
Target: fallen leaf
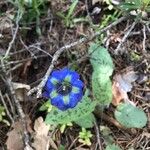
column 20, row 90
column 41, row 139
column 96, row 1
column 15, row 136
column 121, row 85
column 14, row 141
column 40, row 127
column 125, row 80
column 118, row 94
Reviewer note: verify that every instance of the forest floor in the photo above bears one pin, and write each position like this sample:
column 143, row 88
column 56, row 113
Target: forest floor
column 35, row 37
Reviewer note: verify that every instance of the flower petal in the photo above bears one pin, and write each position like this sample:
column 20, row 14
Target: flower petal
column 78, row 83
column 49, row 86
column 58, row 102
column 56, row 74
column 54, row 81
column 75, row 90
column 53, row 94
column 74, row 99
column 46, row 94
column 75, row 76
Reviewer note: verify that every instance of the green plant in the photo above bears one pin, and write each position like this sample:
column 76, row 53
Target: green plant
column 112, row 147
column 138, row 7
column 102, row 70
column 101, row 85
column 30, row 10
column 130, row 116
column 46, row 107
column 63, row 127
column 84, row 137
column 2, row 115
column 69, row 19
column 82, row 114
column 82, row 110
column 108, row 138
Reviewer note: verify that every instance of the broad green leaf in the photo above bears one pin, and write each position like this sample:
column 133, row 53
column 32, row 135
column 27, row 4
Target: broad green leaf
column 102, row 88
column 101, row 59
column 130, row 116
column 85, row 107
column 87, row 121
column 112, row 147
column 103, row 68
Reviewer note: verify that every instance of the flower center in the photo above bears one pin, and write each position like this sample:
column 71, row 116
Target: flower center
column 63, row 88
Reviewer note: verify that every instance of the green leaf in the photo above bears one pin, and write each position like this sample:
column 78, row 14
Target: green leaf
column 103, row 69
column 87, row 121
column 71, row 9
column 46, row 106
column 112, row 147
column 102, row 88
column 130, row 116
column 2, row 109
column 101, row 60
column 107, row 135
column 129, row 7
column 85, row 107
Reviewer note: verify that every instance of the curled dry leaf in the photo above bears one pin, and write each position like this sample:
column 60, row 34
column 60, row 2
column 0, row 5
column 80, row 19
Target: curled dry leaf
column 20, row 90
column 121, row 85
column 118, row 94
column 41, row 139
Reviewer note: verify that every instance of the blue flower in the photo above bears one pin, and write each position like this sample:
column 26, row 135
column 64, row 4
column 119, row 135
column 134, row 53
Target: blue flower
column 64, row 88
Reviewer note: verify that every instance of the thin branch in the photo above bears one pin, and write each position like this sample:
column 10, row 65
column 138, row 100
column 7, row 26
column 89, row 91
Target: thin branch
column 98, row 135
column 10, row 104
column 6, row 108
column 144, row 39
column 118, row 49
column 14, row 35
column 38, row 89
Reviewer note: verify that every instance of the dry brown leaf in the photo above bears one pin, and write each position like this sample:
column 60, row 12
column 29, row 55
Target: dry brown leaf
column 14, row 141
column 96, row 1
column 118, row 94
column 41, row 138
column 121, row 85
column 20, row 90
column 15, row 136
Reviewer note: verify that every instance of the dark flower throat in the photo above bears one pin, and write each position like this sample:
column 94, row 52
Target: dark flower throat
column 63, row 88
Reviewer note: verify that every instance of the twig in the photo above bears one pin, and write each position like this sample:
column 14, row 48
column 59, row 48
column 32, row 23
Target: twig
column 98, row 135
column 62, row 49
column 144, row 39
column 118, row 49
column 6, row 108
column 14, row 68
column 14, row 35
column 10, row 104
column 87, row 9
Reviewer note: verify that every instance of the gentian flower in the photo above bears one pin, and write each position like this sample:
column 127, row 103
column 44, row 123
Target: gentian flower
column 64, row 88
